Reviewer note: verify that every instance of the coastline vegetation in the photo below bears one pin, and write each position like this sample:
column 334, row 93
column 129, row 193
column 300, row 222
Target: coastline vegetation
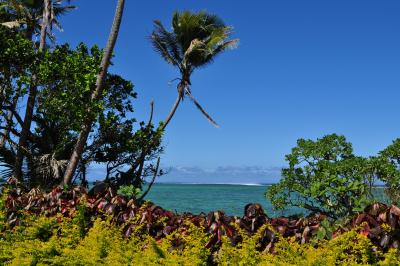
column 77, row 113
column 76, row 227
column 326, row 176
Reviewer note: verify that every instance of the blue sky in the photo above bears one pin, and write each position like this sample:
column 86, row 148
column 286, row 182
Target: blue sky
column 302, row 69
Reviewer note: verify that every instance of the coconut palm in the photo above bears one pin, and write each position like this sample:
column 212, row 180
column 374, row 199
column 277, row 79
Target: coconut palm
column 28, row 14
column 195, row 40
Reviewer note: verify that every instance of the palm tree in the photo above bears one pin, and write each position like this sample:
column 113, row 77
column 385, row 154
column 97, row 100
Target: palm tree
column 28, row 14
column 100, row 82
column 196, row 39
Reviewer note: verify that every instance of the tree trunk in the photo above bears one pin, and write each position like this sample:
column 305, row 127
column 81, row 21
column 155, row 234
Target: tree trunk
column 87, row 126
column 29, row 31
column 6, row 132
column 9, row 121
column 140, row 161
column 22, row 144
column 181, row 89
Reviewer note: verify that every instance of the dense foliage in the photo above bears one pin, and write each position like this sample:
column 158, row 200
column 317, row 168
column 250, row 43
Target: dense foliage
column 325, row 176
column 73, row 227
column 76, row 114
column 65, row 78
column 388, row 163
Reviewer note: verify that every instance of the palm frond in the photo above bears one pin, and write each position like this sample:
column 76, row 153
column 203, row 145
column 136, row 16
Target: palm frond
column 165, row 44
column 62, row 10
column 47, row 166
column 211, row 55
column 12, row 24
column 30, row 12
column 209, row 31
column 194, row 55
column 55, row 23
column 160, row 47
column 170, row 40
column 6, row 171
column 7, row 159
column 201, row 109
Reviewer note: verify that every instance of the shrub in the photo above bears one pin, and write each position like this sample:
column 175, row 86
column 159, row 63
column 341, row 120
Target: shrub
column 324, row 176
column 130, row 191
column 388, row 166
column 84, row 233
column 244, row 253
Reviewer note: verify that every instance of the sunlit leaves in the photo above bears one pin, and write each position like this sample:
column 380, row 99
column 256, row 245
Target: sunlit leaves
column 68, row 77
column 324, row 175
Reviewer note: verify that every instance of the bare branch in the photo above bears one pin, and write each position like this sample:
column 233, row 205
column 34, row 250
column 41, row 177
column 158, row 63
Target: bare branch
column 15, row 113
column 152, row 180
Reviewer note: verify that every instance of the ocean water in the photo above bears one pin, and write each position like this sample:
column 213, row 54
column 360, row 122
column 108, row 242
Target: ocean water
column 197, row 198
column 232, row 199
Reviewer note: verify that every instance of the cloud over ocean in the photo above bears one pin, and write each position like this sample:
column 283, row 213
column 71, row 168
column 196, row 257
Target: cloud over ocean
column 222, row 175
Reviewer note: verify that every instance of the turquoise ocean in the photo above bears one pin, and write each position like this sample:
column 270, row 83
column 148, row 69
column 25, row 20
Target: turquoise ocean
column 197, row 198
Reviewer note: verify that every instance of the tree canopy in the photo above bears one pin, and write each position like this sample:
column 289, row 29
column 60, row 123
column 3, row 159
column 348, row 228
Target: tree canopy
column 66, row 77
column 195, row 40
column 326, row 176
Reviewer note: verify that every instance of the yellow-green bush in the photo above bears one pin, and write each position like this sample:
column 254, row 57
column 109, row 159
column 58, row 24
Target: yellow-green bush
column 38, row 240
column 391, row 258
column 57, row 241
column 41, row 240
column 245, row 253
column 350, row 248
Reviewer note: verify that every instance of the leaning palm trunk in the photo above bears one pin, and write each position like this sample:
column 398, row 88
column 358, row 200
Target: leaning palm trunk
column 181, row 89
column 86, row 127
column 172, row 112
column 22, row 145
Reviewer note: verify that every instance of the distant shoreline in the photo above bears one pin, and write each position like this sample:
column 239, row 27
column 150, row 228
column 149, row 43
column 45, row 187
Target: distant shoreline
column 224, row 184
column 198, row 183
column 231, row 184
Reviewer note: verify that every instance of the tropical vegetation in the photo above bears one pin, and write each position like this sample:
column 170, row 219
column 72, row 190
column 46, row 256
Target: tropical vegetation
column 76, row 113
column 76, row 227
column 44, row 148
column 326, row 176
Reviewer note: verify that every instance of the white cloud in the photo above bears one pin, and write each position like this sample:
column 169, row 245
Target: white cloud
column 223, row 174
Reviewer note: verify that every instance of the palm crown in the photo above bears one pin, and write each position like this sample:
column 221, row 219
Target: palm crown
column 29, row 13
column 195, row 40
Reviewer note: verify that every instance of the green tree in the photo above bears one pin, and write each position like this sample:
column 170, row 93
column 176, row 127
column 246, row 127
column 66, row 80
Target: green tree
column 196, row 39
column 30, row 17
column 388, row 168
column 66, row 79
column 22, row 143
column 18, row 59
column 26, row 16
column 324, row 176
column 97, row 93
